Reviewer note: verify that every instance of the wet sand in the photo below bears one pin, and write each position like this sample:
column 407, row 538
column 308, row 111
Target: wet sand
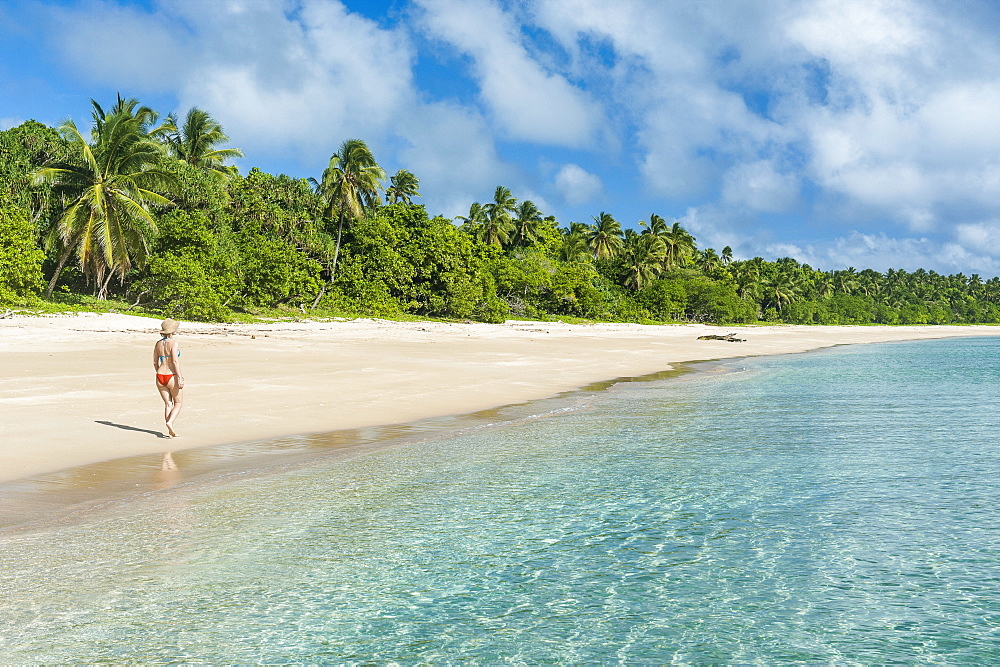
column 78, row 390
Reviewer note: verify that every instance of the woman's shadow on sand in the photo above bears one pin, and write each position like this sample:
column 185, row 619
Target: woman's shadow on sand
column 130, row 428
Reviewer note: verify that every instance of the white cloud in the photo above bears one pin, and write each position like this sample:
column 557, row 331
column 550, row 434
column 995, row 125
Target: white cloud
column 272, row 80
column 779, row 250
column 666, row 75
column 907, row 129
column 162, row 62
column 296, row 82
column 577, row 185
column 529, row 102
column 340, row 76
column 7, row 123
column 759, row 186
column 972, row 248
column 452, row 153
column 713, row 228
column 870, row 115
column 879, row 112
column 882, row 252
column 927, row 159
column 872, row 39
column 983, row 237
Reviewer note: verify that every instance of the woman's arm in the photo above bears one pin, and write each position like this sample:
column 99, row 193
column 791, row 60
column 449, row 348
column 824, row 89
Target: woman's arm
column 175, row 362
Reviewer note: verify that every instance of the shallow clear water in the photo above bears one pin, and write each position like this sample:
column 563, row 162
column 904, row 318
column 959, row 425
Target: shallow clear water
column 835, row 506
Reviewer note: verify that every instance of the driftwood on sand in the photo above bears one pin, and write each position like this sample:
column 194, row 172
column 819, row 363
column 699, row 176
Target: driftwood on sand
column 728, row 337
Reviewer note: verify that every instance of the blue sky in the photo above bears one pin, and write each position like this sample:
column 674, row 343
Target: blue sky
column 839, row 132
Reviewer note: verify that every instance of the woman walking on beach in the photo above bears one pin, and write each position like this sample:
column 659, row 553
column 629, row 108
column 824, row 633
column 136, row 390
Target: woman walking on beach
column 166, row 361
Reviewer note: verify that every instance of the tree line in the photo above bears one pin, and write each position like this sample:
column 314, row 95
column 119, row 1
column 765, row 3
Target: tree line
column 145, row 211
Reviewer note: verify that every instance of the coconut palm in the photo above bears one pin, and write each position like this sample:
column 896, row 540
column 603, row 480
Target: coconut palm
column 144, row 118
column 709, row 260
column 645, row 260
column 197, row 141
column 350, row 185
column 605, row 236
column 499, row 225
column 496, row 230
column 402, row 187
column 747, row 275
column 527, row 217
column 111, row 183
column 824, row 285
column 476, row 218
column 845, row 281
column 782, row 289
column 574, row 248
column 727, row 256
column 656, row 226
column 680, row 246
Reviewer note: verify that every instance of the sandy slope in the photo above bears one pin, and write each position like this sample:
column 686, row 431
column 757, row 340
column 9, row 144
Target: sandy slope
column 79, row 389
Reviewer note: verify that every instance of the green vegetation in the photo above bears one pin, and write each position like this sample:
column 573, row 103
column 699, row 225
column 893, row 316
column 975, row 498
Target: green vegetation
column 146, row 217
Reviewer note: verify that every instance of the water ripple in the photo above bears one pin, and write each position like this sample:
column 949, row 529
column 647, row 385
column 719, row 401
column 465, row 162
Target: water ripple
column 833, row 507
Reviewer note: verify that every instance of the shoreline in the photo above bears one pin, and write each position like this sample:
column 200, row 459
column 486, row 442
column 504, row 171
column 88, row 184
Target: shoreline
column 56, row 498
column 268, row 382
column 67, row 494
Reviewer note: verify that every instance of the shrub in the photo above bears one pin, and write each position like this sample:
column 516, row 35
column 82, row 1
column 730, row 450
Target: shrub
column 20, row 260
column 180, row 286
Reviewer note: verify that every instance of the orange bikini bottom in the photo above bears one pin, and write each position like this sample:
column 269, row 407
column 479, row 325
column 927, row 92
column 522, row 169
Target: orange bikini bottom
column 163, row 379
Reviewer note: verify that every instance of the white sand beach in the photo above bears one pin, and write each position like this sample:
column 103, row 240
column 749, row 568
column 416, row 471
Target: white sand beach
column 79, row 389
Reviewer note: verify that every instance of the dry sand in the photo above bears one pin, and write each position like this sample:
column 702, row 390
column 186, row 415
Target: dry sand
column 79, row 389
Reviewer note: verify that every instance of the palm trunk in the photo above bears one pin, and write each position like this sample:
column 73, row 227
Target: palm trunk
column 322, row 291
column 59, row 267
column 336, row 255
column 336, row 249
column 102, row 292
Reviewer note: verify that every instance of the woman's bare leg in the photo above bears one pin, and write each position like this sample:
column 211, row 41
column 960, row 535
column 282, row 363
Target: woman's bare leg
column 177, row 402
column 168, row 403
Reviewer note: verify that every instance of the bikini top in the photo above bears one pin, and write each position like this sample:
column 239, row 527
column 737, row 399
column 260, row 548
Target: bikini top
column 164, row 356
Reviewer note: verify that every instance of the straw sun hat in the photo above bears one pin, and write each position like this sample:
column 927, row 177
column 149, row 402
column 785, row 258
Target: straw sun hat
column 169, row 326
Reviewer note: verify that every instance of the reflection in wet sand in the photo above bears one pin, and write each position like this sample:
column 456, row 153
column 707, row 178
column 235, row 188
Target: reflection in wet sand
column 64, row 496
column 168, row 475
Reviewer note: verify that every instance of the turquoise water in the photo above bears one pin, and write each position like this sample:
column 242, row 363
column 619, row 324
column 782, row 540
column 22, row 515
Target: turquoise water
column 842, row 505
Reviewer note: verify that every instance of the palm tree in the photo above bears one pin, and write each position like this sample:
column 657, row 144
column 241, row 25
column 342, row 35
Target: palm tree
column 350, row 185
column 782, row 290
column 869, row 282
column 605, row 237
column 845, row 281
column 824, row 285
column 680, row 245
column 747, row 275
column 727, row 256
column 403, row 187
column 143, row 116
column 645, row 260
column 111, row 184
column 709, row 260
column 574, row 248
column 476, row 218
column 656, row 225
column 197, row 141
column 526, row 220
column 499, row 225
